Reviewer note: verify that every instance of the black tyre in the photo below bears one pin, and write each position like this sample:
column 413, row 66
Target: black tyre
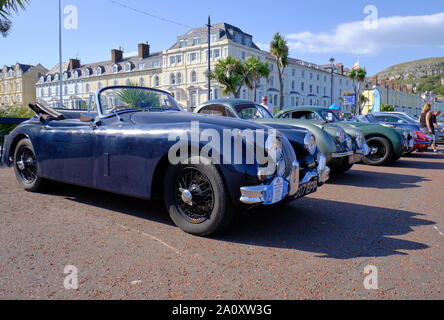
column 25, row 167
column 340, row 168
column 197, row 200
column 382, row 152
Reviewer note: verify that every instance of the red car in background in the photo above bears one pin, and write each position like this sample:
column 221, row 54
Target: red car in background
column 422, row 142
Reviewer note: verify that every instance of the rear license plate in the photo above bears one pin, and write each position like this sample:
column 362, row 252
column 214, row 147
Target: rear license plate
column 355, row 158
column 307, row 188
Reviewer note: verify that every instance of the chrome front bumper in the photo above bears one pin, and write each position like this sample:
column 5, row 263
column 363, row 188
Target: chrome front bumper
column 341, row 154
column 365, row 151
column 261, row 194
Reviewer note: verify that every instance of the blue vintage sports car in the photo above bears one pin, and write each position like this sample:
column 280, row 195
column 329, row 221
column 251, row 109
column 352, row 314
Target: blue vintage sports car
column 138, row 142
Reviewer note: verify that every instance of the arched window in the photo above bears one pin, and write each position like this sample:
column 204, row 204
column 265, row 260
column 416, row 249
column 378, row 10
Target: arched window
column 156, row 81
column 193, row 76
column 115, row 68
column 49, row 79
column 172, row 78
column 99, row 71
column 179, row 78
column 76, row 89
column 86, row 72
column 128, row 67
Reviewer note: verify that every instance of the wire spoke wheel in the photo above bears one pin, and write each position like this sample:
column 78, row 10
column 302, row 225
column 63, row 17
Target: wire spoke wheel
column 378, row 151
column 26, row 164
column 194, row 195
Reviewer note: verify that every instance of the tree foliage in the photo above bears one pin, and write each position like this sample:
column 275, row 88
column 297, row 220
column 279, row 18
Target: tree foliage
column 387, row 108
column 358, row 75
column 256, row 71
column 7, row 7
column 279, row 50
column 231, row 74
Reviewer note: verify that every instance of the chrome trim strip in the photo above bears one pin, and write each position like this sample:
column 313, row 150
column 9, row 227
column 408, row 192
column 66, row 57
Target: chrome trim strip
column 294, row 178
column 343, row 154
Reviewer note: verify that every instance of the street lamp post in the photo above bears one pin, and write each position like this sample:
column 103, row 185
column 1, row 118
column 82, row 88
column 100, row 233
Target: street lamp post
column 209, row 59
column 387, row 88
column 60, row 54
column 332, row 61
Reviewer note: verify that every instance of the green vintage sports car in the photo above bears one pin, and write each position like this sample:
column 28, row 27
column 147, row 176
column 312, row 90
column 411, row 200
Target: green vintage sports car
column 387, row 144
column 340, row 150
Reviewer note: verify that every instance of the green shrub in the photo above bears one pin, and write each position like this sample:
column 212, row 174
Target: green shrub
column 17, row 111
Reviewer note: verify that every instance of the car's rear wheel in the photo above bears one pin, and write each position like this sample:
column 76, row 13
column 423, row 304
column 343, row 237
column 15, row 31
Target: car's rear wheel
column 197, row 199
column 26, row 166
column 381, row 151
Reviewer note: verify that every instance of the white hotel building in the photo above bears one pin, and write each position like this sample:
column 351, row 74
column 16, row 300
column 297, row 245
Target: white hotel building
column 183, row 69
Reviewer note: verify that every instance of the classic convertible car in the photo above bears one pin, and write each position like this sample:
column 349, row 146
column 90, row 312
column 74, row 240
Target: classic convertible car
column 339, row 149
column 386, row 144
column 127, row 143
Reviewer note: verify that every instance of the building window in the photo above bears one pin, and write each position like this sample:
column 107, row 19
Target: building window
column 87, row 88
column 293, row 84
column 99, row 71
column 156, row 81
column 172, row 78
column 183, row 43
column 87, row 72
column 115, row 68
column 128, row 67
column 141, row 82
column 213, row 38
column 197, row 41
column 193, row 76
column 156, row 63
column 303, row 74
column 179, row 78
column 302, row 86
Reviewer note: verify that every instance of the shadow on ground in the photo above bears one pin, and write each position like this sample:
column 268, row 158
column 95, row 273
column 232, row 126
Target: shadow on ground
column 367, row 179
column 329, row 229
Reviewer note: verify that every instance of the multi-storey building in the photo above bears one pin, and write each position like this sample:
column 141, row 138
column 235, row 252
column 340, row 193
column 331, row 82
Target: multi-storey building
column 80, row 82
column 17, row 84
column 401, row 97
column 183, row 71
column 185, row 66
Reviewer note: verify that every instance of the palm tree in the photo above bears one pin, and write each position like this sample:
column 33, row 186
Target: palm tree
column 231, row 75
column 7, row 7
column 256, row 70
column 358, row 75
column 279, row 50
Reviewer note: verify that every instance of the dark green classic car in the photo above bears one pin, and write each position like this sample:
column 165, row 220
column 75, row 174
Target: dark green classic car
column 341, row 150
column 387, row 144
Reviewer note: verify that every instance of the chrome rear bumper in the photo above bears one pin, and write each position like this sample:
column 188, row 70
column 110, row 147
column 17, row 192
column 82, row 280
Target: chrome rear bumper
column 341, row 154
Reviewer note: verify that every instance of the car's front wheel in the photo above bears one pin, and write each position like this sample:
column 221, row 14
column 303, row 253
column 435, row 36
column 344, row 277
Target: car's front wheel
column 25, row 166
column 381, row 152
column 197, row 199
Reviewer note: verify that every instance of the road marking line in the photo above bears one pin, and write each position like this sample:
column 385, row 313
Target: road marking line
column 153, row 238
column 436, row 228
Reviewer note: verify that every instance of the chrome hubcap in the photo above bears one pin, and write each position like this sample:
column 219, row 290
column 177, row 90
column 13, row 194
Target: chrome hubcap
column 187, row 196
column 21, row 165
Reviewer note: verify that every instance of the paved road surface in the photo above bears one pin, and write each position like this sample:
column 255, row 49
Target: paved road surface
column 317, row 248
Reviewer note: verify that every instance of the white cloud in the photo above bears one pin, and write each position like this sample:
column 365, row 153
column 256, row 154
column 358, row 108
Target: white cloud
column 358, row 38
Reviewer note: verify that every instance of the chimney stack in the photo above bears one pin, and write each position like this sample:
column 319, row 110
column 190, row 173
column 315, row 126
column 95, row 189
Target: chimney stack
column 73, row 64
column 116, row 55
column 144, row 50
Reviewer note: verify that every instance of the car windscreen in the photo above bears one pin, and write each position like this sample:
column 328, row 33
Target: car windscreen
column 118, row 99
column 367, row 118
column 327, row 115
column 252, row 111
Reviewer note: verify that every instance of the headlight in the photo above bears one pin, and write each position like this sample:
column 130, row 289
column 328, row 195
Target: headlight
column 340, row 135
column 273, row 146
column 349, row 143
column 310, row 143
column 359, row 138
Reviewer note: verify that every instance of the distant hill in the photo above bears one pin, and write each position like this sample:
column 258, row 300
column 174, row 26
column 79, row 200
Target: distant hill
column 424, row 74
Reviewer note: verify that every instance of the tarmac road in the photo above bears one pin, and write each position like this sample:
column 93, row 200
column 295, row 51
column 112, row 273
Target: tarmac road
column 316, row 248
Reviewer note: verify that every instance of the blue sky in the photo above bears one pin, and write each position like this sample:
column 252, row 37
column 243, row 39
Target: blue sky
column 316, row 30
